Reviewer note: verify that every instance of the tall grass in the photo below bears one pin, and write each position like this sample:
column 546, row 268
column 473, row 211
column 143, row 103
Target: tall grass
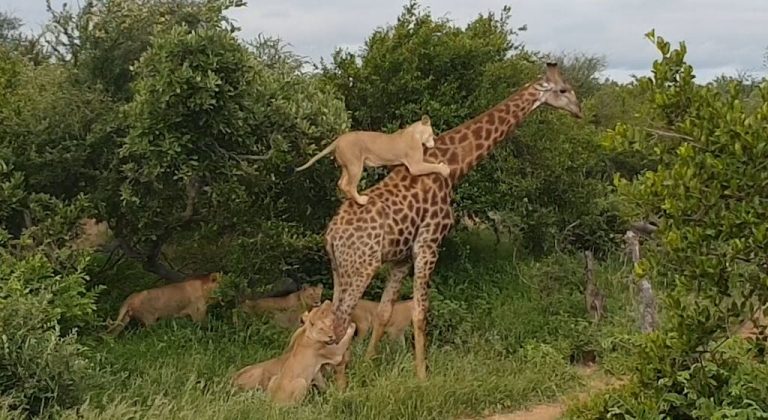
column 501, row 334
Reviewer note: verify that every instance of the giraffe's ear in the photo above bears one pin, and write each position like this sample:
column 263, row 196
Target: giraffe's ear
column 425, row 119
column 542, row 86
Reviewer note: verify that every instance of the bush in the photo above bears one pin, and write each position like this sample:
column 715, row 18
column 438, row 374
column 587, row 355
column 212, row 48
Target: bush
column 550, row 175
column 41, row 363
column 709, row 258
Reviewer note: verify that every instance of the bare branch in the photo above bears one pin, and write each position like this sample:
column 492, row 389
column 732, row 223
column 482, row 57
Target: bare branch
column 593, row 297
column 257, row 157
column 193, row 186
column 668, row 134
column 27, row 219
column 649, row 320
column 242, row 159
column 664, row 133
column 150, row 261
column 643, row 228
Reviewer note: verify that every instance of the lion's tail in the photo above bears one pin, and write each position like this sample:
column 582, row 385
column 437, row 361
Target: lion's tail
column 318, row 156
column 122, row 319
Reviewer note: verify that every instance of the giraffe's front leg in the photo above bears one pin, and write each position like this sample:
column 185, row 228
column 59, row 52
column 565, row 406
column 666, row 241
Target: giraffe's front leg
column 353, row 279
column 388, row 297
column 425, row 257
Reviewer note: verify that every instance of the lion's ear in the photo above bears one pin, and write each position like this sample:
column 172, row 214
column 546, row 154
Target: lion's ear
column 425, row 119
column 215, row 277
column 304, row 286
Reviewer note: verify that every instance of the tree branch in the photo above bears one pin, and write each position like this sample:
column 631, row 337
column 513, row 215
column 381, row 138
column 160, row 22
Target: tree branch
column 150, row 261
column 643, row 227
column 241, row 159
column 193, row 186
column 664, row 133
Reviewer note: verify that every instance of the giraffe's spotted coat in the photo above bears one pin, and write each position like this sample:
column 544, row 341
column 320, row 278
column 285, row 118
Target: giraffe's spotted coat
column 405, row 220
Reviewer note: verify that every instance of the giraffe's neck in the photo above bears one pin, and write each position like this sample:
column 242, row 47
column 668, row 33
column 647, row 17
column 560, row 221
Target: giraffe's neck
column 463, row 147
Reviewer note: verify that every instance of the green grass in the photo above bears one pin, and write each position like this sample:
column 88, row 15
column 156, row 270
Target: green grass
column 183, row 372
column 501, row 334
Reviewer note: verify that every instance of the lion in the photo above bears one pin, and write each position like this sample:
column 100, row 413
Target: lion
column 286, row 310
column 287, row 378
column 364, row 314
column 357, row 149
column 187, row 298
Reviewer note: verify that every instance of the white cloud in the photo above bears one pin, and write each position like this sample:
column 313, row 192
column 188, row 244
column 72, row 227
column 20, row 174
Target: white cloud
column 721, row 36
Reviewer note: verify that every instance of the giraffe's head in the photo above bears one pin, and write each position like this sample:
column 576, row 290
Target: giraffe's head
column 557, row 93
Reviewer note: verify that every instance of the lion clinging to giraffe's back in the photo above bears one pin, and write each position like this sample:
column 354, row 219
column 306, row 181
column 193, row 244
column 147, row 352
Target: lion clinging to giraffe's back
column 408, row 216
column 357, row 149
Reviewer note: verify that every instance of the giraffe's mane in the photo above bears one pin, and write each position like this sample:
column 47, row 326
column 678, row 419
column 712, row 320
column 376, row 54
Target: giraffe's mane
column 440, row 141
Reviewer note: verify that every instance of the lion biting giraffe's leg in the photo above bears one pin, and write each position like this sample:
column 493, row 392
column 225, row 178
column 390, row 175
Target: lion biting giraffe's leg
column 409, row 215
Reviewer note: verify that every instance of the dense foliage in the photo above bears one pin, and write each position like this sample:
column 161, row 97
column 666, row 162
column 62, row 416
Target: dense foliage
column 709, row 189
column 550, row 175
column 155, row 117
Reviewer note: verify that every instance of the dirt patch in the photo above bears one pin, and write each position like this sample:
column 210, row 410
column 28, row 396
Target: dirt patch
column 596, row 380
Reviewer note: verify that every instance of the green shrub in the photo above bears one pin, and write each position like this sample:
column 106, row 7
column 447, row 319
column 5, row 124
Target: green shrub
column 40, row 365
column 709, row 256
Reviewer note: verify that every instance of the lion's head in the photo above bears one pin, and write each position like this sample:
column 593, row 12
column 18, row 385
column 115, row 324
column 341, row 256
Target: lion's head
column 422, row 130
column 310, row 295
column 318, row 323
column 211, row 282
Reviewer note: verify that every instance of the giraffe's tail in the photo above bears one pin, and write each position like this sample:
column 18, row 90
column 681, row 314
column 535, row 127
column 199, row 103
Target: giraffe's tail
column 318, row 156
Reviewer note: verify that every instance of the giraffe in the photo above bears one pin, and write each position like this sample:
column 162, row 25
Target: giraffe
column 407, row 216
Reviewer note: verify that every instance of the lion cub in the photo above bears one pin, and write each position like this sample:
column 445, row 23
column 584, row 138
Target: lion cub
column 357, row 149
column 287, row 378
column 286, row 310
column 186, row 298
column 364, row 314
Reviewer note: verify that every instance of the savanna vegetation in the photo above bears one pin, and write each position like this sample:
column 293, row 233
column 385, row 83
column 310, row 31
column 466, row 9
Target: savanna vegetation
column 159, row 120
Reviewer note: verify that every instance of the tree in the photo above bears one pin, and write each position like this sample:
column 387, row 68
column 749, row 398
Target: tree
column 552, row 175
column 425, row 65
column 708, row 188
column 13, row 39
column 188, row 132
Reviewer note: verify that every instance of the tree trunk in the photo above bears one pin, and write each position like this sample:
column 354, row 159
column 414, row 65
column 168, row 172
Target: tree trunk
column 647, row 301
column 648, row 320
column 594, row 298
column 151, row 262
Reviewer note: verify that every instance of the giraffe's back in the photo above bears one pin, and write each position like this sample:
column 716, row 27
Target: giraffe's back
column 400, row 206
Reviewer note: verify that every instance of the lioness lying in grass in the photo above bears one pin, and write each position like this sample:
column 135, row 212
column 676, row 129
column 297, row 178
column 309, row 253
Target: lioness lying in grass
column 357, row 149
column 187, row 298
column 285, row 310
column 287, row 378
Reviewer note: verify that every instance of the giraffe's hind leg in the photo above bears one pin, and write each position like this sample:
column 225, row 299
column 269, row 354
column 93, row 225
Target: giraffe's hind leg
column 425, row 258
column 388, row 297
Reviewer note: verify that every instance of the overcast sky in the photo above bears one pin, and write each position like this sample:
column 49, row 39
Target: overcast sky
column 722, row 36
